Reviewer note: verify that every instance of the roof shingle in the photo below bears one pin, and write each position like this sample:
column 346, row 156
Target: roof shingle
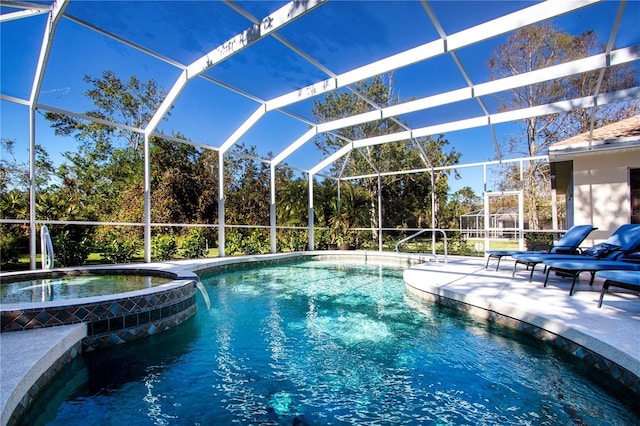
column 624, row 129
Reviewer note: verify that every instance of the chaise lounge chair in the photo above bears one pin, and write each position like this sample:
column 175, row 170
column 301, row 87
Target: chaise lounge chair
column 624, row 240
column 568, row 244
column 623, row 279
column 627, row 238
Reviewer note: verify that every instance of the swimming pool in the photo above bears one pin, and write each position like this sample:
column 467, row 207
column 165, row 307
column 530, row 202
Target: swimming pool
column 317, row 342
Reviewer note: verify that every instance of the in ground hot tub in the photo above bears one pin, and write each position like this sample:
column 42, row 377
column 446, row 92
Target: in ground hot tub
column 118, row 305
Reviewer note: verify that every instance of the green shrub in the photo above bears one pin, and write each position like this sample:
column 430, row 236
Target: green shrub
column 233, row 242
column 457, row 244
column 120, row 250
column 194, row 245
column 71, row 248
column 163, row 247
column 321, row 238
column 10, row 249
column 256, row 243
column 538, row 240
column 295, row 240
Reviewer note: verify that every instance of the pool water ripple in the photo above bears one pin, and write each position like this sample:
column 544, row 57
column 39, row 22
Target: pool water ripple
column 320, row 343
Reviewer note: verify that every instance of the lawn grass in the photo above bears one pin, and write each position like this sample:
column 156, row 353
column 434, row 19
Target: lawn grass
column 93, row 259
column 496, row 244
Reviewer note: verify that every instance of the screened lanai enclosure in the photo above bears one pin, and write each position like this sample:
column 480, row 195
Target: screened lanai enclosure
column 296, row 125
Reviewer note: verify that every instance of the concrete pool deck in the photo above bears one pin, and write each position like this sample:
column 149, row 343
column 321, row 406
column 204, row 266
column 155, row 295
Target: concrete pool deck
column 611, row 331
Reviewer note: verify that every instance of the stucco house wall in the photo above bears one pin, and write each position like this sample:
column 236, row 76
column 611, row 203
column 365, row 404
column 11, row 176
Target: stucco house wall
column 601, row 189
column 597, row 184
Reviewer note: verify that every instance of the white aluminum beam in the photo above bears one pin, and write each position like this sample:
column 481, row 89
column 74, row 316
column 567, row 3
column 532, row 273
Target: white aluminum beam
column 89, row 118
column 443, row 168
column 302, row 94
column 350, row 121
column 379, row 140
column 592, row 63
column 244, row 128
column 451, row 126
column 552, row 108
column 330, row 159
column 12, row 16
column 294, row 146
column 536, row 13
column 14, row 100
column 278, row 19
column 568, row 105
column 56, row 13
column 496, row 27
column 428, row 102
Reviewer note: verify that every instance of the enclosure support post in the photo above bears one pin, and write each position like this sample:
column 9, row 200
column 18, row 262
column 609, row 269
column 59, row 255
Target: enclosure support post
column 379, row 212
column 57, row 10
column 554, row 204
column 486, row 209
column 147, row 199
column 433, row 213
column 220, row 204
column 521, row 220
column 32, row 188
column 311, row 218
column 521, row 208
column 272, row 209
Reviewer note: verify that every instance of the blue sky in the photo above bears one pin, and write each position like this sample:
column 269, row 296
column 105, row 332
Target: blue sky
column 340, row 35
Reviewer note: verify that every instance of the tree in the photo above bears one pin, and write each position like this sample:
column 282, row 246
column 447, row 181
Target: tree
column 292, row 201
column 175, row 181
column 541, row 46
column 409, row 194
column 461, row 202
column 108, row 160
column 247, row 182
column 14, row 196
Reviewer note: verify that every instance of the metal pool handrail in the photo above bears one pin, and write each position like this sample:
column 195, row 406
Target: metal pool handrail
column 433, row 248
column 46, row 248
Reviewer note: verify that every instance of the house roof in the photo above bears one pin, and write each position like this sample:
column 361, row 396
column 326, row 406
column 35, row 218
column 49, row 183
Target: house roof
column 621, row 134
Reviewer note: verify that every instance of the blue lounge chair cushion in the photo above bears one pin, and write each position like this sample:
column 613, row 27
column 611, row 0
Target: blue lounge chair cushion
column 628, row 277
column 568, row 243
column 627, row 237
column 532, row 257
column 590, row 265
column 600, row 250
column 510, row 252
column 632, row 257
column 616, row 278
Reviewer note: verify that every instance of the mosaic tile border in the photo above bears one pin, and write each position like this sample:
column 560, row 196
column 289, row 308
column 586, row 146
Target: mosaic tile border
column 592, row 359
column 118, row 332
column 43, row 381
column 95, row 312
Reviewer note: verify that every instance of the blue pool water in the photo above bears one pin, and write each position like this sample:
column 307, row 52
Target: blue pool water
column 321, row 343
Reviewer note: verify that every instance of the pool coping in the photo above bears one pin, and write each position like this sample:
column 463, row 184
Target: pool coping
column 28, row 357
column 482, row 293
column 605, row 338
